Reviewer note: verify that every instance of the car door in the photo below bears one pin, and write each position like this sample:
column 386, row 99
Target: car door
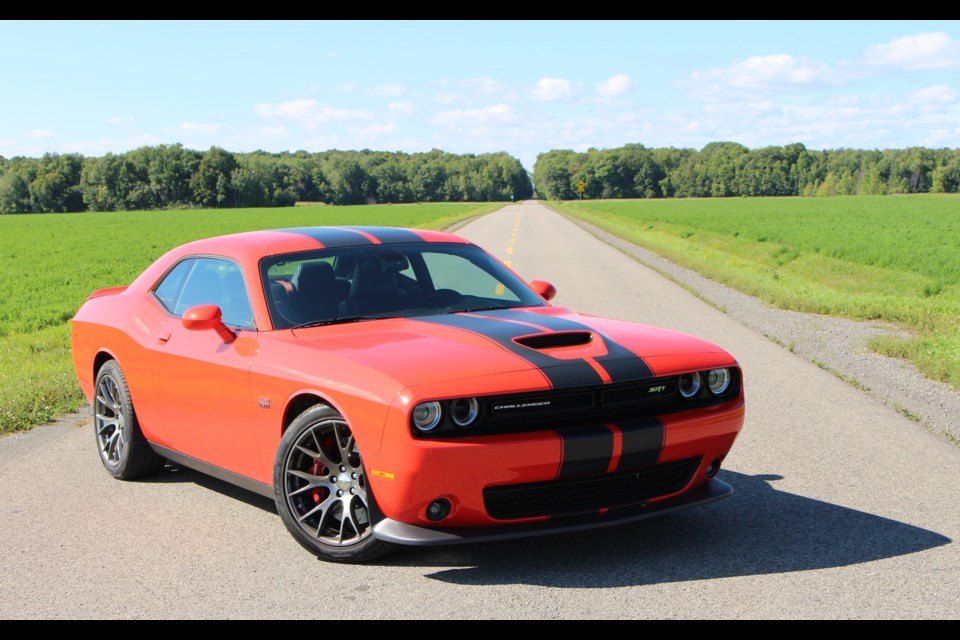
column 205, row 381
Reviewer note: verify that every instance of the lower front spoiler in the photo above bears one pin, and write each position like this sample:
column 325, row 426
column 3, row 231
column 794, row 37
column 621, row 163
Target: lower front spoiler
column 408, row 534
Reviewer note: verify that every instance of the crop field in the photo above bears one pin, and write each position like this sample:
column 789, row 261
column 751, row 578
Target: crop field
column 49, row 263
column 894, row 258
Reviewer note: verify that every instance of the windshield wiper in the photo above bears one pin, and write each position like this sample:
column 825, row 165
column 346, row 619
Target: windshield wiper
column 343, row 320
column 490, row 308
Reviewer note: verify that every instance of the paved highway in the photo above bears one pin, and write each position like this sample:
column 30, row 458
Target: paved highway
column 844, row 508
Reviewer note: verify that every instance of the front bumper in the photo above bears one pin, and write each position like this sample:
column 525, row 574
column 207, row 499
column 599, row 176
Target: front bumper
column 407, row 534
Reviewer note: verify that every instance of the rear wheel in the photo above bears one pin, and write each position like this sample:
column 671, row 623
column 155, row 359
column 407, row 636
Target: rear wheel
column 321, row 490
column 124, row 451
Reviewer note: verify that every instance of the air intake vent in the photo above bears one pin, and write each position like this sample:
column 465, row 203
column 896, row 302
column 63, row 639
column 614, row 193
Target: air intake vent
column 553, row 340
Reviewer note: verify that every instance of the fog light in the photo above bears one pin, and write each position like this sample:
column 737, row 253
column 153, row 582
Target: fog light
column 438, row 509
column 713, row 468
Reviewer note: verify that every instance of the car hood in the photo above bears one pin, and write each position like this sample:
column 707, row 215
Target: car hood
column 520, row 348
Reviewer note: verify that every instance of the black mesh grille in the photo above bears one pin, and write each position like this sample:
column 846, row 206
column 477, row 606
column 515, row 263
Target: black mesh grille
column 580, row 495
column 551, row 340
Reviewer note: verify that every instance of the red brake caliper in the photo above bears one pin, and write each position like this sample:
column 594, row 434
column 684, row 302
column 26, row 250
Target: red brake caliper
column 317, row 469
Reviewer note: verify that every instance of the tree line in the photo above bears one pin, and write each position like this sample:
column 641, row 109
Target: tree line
column 171, row 176
column 730, row 169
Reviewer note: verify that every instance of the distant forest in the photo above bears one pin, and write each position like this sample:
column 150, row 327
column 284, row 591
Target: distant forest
column 171, row 176
column 730, row 169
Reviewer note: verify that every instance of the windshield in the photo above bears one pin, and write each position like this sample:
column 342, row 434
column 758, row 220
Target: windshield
column 352, row 284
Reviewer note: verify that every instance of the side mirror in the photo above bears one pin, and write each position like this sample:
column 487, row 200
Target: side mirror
column 208, row 316
column 544, row 289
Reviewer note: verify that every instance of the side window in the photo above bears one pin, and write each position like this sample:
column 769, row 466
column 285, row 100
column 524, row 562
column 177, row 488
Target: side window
column 207, row 281
column 168, row 291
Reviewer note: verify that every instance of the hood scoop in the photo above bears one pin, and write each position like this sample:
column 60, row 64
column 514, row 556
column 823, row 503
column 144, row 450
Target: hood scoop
column 554, row 340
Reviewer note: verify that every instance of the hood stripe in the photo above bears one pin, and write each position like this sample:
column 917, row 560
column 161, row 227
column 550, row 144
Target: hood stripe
column 585, row 451
column 619, row 362
column 561, row 373
column 642, row 443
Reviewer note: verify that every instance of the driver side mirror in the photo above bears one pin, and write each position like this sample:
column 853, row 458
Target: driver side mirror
column 208, row 316
column 544, row 289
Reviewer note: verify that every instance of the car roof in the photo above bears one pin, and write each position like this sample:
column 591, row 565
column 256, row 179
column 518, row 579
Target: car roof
column 276, row 241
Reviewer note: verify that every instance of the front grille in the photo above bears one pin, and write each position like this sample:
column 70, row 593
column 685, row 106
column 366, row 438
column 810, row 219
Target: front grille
column 590, row 494
column 552, row 340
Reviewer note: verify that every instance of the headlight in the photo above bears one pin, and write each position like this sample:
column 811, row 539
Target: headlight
column 718, row 381
column 426, row 416
column 463, row 411
column 689, row 384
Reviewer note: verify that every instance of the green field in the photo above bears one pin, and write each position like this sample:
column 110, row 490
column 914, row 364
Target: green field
column 893, row 258
column 49, row 263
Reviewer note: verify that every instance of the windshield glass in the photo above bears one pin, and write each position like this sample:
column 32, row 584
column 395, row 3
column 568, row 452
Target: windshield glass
column 367, row 282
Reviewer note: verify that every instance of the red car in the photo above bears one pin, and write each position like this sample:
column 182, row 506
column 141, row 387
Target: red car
column 391, row 386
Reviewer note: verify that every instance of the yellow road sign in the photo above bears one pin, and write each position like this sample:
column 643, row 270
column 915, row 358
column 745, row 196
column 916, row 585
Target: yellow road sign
column 581, row 186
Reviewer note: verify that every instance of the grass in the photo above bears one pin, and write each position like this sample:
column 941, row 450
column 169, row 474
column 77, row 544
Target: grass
column 863, row 257
column 49, row 263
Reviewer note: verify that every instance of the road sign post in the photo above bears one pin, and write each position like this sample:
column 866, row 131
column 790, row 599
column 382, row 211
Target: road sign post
column 581, row 185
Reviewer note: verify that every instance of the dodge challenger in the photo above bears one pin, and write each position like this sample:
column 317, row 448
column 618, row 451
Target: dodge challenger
column 399, row 387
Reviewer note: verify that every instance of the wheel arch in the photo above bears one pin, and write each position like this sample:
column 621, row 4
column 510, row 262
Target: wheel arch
column 103, row 356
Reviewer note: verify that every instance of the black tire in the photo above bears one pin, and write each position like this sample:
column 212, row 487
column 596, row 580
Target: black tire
column 124, row 451
column 321, row 490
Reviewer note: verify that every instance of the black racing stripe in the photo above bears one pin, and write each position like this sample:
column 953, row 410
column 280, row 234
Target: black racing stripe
column 332, row 238
column 585, row 451
column 642, row 442
column 389, row 235
column 621, row 363
column 562, row 374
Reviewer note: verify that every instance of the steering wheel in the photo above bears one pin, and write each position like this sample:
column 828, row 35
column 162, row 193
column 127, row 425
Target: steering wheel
column 441, row 298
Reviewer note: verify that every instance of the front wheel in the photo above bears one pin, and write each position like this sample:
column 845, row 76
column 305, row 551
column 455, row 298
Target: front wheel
column 321, row 490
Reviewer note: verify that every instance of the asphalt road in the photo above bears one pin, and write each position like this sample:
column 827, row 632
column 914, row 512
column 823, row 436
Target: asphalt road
column 844, row 508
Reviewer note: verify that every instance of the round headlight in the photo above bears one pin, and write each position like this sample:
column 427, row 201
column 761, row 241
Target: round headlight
column 689, row 384
column 426, row 416
column 718, row 381
column 463, row 411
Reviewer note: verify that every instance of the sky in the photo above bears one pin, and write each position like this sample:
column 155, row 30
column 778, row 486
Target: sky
column 523, row 87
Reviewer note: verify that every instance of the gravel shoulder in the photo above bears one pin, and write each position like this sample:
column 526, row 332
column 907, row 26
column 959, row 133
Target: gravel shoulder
column 837, row 345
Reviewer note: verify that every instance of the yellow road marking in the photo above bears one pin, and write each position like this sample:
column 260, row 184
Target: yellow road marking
column 506, row 262
column 509, row 249
column 500, row 289
column 513, row 241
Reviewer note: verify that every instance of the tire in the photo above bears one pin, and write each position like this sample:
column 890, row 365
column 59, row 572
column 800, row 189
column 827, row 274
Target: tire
column 321, row 490
column 124, row 451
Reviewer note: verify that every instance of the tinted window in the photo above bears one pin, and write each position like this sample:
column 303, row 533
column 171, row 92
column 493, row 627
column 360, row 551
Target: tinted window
column 394, row 280
column 207, row 281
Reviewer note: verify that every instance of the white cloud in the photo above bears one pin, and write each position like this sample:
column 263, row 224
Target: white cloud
column 349, row 87
column 332, row 55
column 309, row 111
column 934, row 94
column 935, row 50
column 758, row 72
column 391, row 90
column 273, row 132
column 493, row 113
column 551, row 89
column 375, row 129
column 470, row 90
column 401, row 107
column 38, row 134
column 196, row 128
column 615, row 86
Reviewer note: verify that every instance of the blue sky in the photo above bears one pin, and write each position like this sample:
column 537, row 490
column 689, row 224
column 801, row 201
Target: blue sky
column 474, row 87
